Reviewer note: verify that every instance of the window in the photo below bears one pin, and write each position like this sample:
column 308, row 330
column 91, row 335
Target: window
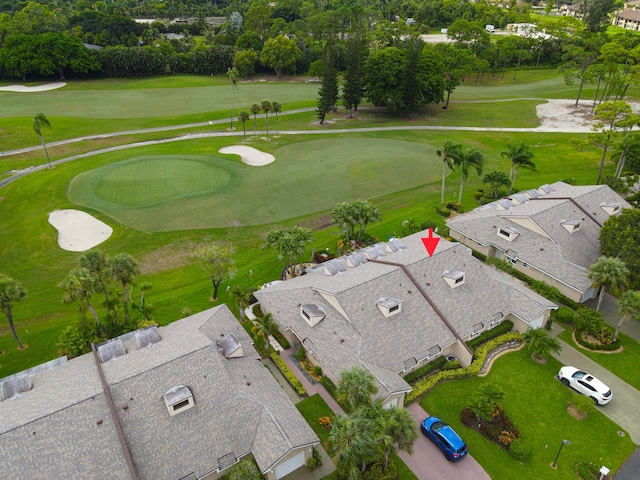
column 459, row 280
column 511, row 259
column 508, row 233
column 525, row 265
column 504, row 233
column 389, row 306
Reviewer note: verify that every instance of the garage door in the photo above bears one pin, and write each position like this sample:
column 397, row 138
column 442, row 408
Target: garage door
column 290, row 465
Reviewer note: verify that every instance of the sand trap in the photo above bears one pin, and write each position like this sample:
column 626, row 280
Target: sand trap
column 38, row 88
column 77, row 230
column 249, row 155
column 563, row 115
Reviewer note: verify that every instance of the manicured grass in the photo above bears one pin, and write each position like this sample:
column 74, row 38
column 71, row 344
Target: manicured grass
column 620, row 364
column 136, row 192
column 536, row 403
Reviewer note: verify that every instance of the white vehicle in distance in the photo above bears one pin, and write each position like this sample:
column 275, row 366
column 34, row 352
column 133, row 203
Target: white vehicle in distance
column 586, row 384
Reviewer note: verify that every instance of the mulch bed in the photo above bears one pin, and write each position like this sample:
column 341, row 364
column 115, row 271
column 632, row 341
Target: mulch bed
column 499, row 429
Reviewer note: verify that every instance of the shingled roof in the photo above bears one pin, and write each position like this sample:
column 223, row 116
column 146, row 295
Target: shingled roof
column 239, row 409
column 543, row 240
column 356, row 332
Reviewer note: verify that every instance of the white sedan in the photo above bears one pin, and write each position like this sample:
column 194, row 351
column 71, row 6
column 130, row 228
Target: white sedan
column 586, row 384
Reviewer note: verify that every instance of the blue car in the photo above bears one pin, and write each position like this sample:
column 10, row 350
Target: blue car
column 445, row 438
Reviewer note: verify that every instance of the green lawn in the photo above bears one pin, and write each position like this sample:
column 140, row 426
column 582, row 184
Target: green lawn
column 536, row 403
column 620, row 364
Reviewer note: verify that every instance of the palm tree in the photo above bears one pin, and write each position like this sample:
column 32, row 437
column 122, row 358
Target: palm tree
column 242, row 296
column 124, row 269
column 365, row 214
column 243, row 116
column 11, row 291
column 266, row 106
column 541, row 344
column 356, row 388
column 471, row 157
column 255, row 109
column 264, row 327
column 40, row 121
column 95, row 261
column 276, row 108
column 608, row 273
column 450, row 153
column 400, row 430
column 480, row 407
column 628, row 308
column 492, row 393
column 520, row 156
column 80, row 285
column 233, row 75
column 345, row 214
column 352, row 441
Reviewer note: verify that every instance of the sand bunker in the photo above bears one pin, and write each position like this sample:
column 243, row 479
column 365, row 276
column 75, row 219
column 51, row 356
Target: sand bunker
column 249, row 155
column 39, row 88
column 77, row 230
column 564, row 116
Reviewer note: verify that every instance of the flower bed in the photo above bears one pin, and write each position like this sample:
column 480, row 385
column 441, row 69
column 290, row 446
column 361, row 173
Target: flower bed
column 499, row 429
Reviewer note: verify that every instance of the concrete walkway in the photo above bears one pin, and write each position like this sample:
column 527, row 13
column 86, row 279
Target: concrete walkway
column 623, row 408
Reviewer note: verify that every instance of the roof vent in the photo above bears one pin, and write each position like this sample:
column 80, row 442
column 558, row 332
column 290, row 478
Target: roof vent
column 610, row 207
column 571, row 225
column 454, row 278
column 229, row 346
column 395, row 244
column 226, row 461
column 312, row 313
column 147, row 336
column 508, row 233
column 111, row 349
column 356, row 259
column 178, row 399
column 334, row 267
column 504, row 204
column 15, row 386
column 389, row 306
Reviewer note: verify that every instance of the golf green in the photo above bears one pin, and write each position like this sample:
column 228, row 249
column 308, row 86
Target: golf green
column 180, row 192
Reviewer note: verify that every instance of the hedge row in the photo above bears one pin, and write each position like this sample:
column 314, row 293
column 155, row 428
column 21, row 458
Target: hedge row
column 421, row 372
column 288, row 374
column 423, row 386
column 504, row 327
column 596, row 346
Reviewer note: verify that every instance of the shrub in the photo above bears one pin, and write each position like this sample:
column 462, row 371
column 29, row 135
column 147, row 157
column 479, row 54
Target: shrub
column 520, row 449
column 311, row 464
column 284, row 343
column 423, row 386
column 506, row 437
column 329, row 386
column 422, row 372
column 428, row 224
column 443, row 212
column 564, row 315
column 376, row 472
column 592, row 323
column 245, row 469
column 316, row 455
column 288, row 374
column 451, row 365
column 300, row 354
column 504, row 327
column 317, row 371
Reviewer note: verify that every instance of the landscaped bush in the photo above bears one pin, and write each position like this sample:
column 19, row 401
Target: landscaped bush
column 451, row 365
column 479, row 256
column 284, row 343
column 428, row 224
column 288, row 374
column 591, row 323
column 520, row 449
column 504, row 327
column 423, row 386
column 245, row 469
column 456, row 207
column 329, row 386
column 376, row 472
column 564, row 315
column 443, row 212
column 300, row 354
column 422, row 372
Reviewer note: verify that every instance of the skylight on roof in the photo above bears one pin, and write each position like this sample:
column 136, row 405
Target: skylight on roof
column 111, row 349
column 545, row 189
column 14, row 386
column 610, row 207
column 504, row 204
column 395, row 244
column 571, row 225
column 147, row 336
column 356, row 259
column 334, row 267
column 374, row 251
column 533, row 194
column 520, row 198
column 229, row 346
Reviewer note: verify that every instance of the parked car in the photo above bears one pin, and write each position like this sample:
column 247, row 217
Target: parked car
column 445, row 438
column 586, row 384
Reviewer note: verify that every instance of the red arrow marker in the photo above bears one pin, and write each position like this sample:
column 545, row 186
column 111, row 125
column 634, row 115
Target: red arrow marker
column 430, row 243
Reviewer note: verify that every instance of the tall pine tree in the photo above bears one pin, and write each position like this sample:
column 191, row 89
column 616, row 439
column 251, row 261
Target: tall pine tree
column 356, row 55
column 328, row 92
